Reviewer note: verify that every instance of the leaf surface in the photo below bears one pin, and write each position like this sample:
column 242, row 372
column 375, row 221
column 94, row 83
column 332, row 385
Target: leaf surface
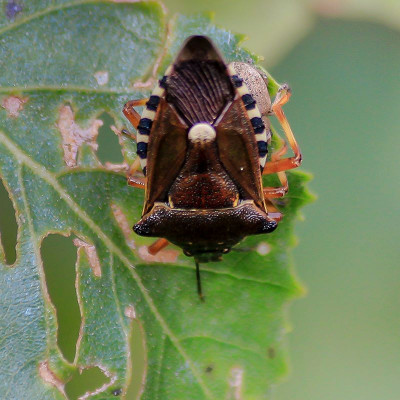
column 62, row 64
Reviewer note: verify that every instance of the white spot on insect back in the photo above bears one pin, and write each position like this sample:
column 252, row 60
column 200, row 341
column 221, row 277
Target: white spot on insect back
column 202, row 132
column 101, row 77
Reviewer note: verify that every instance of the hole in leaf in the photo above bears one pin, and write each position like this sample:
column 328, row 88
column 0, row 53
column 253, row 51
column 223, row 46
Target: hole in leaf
column 88, row 381
column 138, row 360
column 59, row 258
column 109, row 147
column 8, row 226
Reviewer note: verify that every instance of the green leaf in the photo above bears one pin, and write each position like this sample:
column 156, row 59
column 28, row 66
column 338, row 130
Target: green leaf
column 62, row 65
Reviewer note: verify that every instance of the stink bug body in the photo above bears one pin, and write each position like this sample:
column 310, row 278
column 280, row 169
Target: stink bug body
column 202, row 141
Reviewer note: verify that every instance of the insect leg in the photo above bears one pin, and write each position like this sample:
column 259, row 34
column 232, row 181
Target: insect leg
column 274, row 192
column 157, row 246
column 128, row 134
column 273, row 212
column 287, row 163
column 130, row 113
column 199, row 290
column 136, row 181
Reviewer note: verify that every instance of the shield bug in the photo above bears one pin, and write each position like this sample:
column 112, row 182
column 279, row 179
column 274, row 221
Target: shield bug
column 202, row 142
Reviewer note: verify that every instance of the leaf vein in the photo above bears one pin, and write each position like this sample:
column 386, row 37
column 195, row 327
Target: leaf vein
column 229, row 274
column 240, row 347
column 158, row 374
column 71, row 88
column 48, row 177
column 12, row 377
column 22, row 329
column 121, row 318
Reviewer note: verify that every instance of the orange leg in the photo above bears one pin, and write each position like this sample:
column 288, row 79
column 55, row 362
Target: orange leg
column 273, row 212
column 279, row 165
column 134, row 118
column 136, row 181
column 274, row 192
column 130, row 113
column 157, row 246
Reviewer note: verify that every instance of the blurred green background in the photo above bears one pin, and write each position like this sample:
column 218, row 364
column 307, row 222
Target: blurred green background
column 342, row 61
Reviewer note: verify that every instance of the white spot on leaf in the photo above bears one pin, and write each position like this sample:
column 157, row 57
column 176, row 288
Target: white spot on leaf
column 124, row 167
column 130, row 312
column 74, row 136
column 101, row 77
column 13, row 105
column 263, row 248
column 92, row 256
column 236, row 383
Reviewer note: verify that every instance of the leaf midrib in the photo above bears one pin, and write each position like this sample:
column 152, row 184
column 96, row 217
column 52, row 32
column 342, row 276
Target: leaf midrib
column 48, row 177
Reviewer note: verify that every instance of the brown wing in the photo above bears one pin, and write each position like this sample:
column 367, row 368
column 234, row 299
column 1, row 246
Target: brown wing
column 165, row 155
column 238, row 151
